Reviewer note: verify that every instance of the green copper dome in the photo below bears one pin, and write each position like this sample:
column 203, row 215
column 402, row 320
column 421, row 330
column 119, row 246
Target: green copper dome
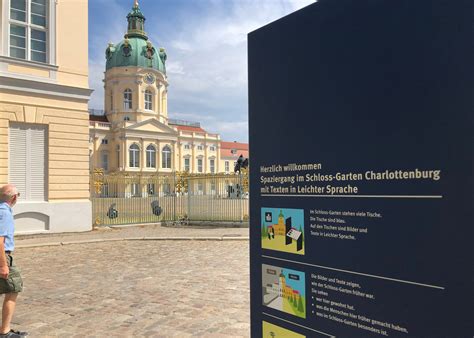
column 135, row 50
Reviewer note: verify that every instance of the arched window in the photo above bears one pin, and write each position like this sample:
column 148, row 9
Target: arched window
column 148, row 100
column 127, row 99
column 166, row 157
column 134, row 154
column 150, row 156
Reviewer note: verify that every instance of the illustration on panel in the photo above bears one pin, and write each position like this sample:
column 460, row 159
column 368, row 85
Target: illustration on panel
column 284, row 290
column 283, row 230
column 274, row 331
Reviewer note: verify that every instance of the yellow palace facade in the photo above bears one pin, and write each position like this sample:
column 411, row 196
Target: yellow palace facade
column 134, row 133
column 44, row 120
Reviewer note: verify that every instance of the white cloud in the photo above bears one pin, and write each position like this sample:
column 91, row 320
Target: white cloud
column 207, row 58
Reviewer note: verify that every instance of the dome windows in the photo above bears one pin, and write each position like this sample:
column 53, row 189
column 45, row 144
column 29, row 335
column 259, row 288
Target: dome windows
column 148, row 100
column 127, row 99
column 126, row 48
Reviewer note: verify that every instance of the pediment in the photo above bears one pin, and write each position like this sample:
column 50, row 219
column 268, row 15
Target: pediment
column 152, row 125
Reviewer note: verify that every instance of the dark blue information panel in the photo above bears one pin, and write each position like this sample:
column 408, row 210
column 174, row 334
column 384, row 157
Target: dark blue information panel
column 361, row 146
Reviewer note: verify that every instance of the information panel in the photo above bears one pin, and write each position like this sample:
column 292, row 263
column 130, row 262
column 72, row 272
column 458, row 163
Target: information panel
column 361, row 170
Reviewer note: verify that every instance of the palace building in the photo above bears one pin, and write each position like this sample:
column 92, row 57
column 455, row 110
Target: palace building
column 44, row 120
column 135, row 134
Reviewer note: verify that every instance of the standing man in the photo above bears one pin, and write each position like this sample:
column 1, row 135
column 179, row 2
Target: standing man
column 10, row 278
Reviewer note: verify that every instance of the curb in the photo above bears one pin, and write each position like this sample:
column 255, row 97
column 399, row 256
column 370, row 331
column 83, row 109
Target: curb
column 90, row 241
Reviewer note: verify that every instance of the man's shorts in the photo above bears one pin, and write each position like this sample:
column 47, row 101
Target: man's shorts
column 14, row 283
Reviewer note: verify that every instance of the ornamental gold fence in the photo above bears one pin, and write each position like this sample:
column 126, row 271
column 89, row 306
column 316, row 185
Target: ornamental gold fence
column 175, row 198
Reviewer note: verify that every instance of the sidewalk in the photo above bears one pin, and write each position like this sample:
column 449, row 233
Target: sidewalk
column 139, row 232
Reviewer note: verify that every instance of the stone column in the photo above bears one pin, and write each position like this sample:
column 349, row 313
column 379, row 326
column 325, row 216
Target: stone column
column 142, row 154
column 173, row 156
column 206, row 159
column 124, row 153
column 192, row 164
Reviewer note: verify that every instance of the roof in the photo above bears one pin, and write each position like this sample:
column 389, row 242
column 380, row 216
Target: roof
column 240, row 149
column 228, row 153
column 234, row 145
column 98, row 118
column 189, row 128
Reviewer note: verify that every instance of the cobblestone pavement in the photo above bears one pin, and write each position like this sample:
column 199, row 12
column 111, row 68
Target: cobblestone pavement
column 141, row 288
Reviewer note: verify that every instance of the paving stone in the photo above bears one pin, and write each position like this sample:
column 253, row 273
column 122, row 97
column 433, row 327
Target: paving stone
column 135, row 289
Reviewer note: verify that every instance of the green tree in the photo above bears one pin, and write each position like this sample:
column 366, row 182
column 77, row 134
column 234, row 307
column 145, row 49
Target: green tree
column 300, row 306
column 264, row 231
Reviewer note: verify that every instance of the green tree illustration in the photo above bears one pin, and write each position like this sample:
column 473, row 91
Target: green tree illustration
column 300, row 306
column 264, row 231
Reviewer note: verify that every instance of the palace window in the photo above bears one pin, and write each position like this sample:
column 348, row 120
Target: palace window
column 187, row 164
column 200, row 189
column 117, row 149
column 104, row 156
column 127, row 99
column 187, row 146
column 212, row 166
column 166, row 158
column 134, row 154
column 166, row 189
column 212, row 148
column 200, row 147
column 227, row 168
column 27, row 160
column 150, row 189
column 29, row 30
column 150, row 156
column 104, row 141
column 148, row 100
column 135, row 190
column 199, row 165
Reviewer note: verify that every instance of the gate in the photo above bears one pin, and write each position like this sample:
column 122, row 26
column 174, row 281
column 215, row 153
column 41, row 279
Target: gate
column 123, row 198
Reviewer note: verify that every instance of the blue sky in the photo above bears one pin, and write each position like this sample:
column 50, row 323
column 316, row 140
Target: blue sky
column 207, row 53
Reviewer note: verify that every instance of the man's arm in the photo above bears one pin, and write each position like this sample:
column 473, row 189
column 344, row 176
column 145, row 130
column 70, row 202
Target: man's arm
column 4, row 269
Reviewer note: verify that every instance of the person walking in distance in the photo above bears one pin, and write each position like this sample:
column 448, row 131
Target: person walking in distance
column 10, row 279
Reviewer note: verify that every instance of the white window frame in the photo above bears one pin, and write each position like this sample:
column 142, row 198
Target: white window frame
column 50, row 30
column 135, row 190
column 151, row 189
column 212, row 165
column 212, row 148
column 166, row 157
column 104, row 160
column 148, row 100
column 150, row 156
column 199, row 165
column 187, row 164
column 187, row 146
column 200, row 147
column 227, row 166
column 127, row 99
column 134, row 156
